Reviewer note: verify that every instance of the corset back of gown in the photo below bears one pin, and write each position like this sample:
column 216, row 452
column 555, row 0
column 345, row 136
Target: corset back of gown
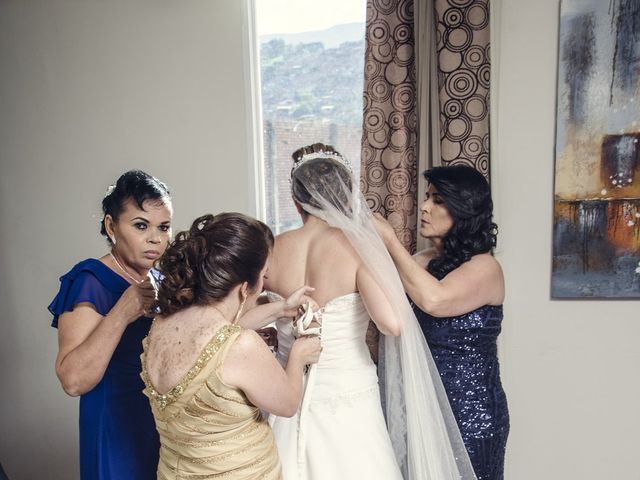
column 345, row 364
column 339, row 431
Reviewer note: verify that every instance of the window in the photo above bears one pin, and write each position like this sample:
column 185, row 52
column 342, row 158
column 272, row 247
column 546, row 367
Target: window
column 311, row 57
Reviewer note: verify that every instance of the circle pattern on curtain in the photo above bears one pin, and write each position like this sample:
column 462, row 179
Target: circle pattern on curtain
column 464, row 75
column 389, row 138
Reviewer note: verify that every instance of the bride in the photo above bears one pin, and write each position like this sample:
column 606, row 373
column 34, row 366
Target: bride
column 340, row 430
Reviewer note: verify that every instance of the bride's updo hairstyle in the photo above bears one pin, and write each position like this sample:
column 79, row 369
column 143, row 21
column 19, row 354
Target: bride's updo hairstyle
column 203, row 264
column 317, row 171
column 467, row 196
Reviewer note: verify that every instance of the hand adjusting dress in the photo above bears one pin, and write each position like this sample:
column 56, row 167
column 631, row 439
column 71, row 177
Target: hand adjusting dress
column 209, row 430
column 339, row 431
column 118, row 439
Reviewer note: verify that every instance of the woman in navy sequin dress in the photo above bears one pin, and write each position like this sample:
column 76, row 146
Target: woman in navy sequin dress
column 457, row 289
column 99, row 314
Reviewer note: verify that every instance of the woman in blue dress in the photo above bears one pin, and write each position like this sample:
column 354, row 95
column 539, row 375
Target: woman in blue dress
column 101, row 316
column 457, row 289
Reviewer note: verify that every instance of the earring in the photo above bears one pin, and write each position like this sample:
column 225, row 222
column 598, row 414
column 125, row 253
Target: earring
column 113, row 240
column 235, row 320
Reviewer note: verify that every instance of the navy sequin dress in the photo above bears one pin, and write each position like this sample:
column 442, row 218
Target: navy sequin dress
column 465, row 351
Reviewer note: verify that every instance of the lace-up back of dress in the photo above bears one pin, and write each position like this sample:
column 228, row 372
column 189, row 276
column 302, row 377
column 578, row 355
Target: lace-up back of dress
column 344, row 321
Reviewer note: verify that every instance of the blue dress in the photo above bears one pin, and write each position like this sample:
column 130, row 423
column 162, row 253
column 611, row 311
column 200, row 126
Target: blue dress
column 118, row 437
column 464, row 349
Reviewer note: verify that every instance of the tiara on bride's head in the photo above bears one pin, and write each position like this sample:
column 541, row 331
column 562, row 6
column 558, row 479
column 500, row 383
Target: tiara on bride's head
column 330, row 155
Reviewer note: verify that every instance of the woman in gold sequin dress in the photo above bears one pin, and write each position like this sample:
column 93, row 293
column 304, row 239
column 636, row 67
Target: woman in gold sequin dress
column 206, row 377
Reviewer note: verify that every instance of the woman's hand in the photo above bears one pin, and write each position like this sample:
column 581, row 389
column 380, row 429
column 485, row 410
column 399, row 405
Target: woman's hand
column 269, row 312
column 306, row 349
column 87, row 340
column 270, row 337
column 384, row 228
column 298, row 298
column 137, row 300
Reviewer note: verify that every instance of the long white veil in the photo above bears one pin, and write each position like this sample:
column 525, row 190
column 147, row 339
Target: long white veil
column 423, row 430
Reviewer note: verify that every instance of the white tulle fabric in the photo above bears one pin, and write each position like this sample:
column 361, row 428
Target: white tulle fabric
column 421, row 425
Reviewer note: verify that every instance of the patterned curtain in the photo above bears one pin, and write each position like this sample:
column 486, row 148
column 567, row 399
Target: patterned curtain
column 389, row 136
column 389, row 173
column 464, row 72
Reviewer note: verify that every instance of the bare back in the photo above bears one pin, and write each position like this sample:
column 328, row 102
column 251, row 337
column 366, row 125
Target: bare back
column 176, row 343
column 322, row 257
column 317, row 255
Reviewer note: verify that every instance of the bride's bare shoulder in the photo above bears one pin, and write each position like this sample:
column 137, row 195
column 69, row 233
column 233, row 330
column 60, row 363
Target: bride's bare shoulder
column 287, row 246
column 317, row 240
column 335, row 241
column 287, row 237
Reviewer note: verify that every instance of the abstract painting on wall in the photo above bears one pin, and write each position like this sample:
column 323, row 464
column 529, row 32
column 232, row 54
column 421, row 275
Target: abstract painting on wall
column 596, row 235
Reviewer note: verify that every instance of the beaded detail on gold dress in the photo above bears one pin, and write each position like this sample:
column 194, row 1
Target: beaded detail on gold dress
column 209, row 430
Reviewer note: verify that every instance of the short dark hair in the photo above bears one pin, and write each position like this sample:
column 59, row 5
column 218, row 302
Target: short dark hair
column 133, row 185
column 467, row 196
column 203, row 264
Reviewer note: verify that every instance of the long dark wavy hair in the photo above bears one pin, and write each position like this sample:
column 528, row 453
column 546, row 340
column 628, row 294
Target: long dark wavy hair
column 467, row 196
column 203, row 264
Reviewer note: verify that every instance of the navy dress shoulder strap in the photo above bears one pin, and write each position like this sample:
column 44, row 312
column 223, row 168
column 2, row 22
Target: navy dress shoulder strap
column 89, row 281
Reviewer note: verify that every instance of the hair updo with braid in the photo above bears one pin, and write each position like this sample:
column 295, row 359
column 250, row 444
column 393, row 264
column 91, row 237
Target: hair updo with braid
column 203, row 264
column 321, row 171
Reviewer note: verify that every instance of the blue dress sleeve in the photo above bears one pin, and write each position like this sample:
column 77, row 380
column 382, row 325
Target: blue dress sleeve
column 81, row 287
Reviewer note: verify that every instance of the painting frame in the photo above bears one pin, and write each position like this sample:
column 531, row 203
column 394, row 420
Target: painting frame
column 596, row 213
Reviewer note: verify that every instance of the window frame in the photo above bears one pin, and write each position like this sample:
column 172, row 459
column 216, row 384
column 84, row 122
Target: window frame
column 254, row 112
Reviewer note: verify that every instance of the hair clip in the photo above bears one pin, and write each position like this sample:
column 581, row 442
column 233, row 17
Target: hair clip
column 321, row 155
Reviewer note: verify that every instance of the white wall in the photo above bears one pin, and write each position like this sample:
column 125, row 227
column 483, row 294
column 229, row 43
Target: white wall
column 570, row 368
column 89, row 89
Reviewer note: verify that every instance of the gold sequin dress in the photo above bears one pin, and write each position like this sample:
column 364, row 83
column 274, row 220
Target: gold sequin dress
column 209, row 430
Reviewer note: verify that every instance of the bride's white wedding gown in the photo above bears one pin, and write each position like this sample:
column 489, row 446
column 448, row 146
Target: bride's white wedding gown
column 339, row 431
